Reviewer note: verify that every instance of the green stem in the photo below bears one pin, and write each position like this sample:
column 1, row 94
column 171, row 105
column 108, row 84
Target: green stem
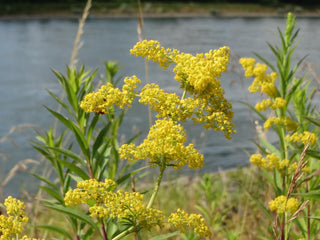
column 184, row 94
column 156, row 188
column 155, row 191
column 182, row 97
column 124, row 233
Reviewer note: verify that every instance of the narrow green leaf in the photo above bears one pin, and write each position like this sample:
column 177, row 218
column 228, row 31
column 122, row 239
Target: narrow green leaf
column 55, row 229
column 99, row 140
column 283, row 41
column 316, row 218
column 269, row 146
column 76, row 178
column 262, row 149
column 52, row 193
column 313, row 120
column 43, row 152
column 71, row 94
column 47, row 181
column 61, row 118
column 92, row 125
column 313, row 153
column 66, row 184
column 309, row 195
column 255, row 110
column 83, row 144
column 69, row 154
column 125, row 177
column 294, row 89
column 61, row 102
column 262, row 207
column 165, row 236
column 74, row 213
column 75, row 169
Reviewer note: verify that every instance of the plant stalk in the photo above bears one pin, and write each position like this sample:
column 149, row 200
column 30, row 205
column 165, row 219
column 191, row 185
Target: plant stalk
column 105, row 237
column 156, row 188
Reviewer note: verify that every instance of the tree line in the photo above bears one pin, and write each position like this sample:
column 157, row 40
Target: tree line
column 268, row 2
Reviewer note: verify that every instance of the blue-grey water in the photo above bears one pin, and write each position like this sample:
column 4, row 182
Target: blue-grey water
column 29, row 49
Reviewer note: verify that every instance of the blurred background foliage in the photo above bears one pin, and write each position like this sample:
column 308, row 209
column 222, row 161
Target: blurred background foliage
column 126, row 6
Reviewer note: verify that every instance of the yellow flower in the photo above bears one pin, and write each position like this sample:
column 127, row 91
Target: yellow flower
column 271, row 162
column 248, row 65
column 262, row 106
column 168, row 104
column 287, row 122
column 269, row 89
column 164, row 145
column 277, row 103
column 183, row 221
column 262, row 82
column 291, row 125
column 121, row 205
column 89, row 190
column 292, row 205
column 152, row 50
column 305, row 137
column 272, row 121
column 281, row 204
column 199, row 76
column 107, row 96
column 256, row 159
column 12, row 224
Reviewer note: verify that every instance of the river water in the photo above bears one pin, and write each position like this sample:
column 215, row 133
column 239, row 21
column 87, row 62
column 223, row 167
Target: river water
column 31, row 48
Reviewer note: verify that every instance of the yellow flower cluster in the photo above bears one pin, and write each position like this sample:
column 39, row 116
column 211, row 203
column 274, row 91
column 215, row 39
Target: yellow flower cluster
column 281, row 204
column 152, row 50
column 277, row 103
column 89, row 190
column 164, row 146
column 122, row 205
column 107, row 96
column 305, row 137
column 293, row 167
column 270, row 163
column 183, row 221
column 12, row 224
column 287, row 122
column 198, row 75
column 129, row 207
column 168, row 105
column 262, row 82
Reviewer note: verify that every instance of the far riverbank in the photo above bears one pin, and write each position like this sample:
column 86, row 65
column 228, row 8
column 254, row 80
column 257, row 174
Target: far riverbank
column 172, row 10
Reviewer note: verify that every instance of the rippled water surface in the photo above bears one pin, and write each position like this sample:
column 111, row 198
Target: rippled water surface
column 30, row 49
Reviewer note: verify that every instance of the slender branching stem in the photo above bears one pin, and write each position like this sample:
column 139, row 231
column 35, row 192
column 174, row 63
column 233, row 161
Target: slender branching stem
column 105, row 237
column 156, row 188
column 308, row 213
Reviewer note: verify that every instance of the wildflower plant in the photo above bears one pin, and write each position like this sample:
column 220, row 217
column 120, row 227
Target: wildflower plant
column 11, row 224
column 202, row 102
column 86, row 148
column 284, row 111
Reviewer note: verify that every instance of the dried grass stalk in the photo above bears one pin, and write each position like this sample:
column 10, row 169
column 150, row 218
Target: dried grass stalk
column 77, row 43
